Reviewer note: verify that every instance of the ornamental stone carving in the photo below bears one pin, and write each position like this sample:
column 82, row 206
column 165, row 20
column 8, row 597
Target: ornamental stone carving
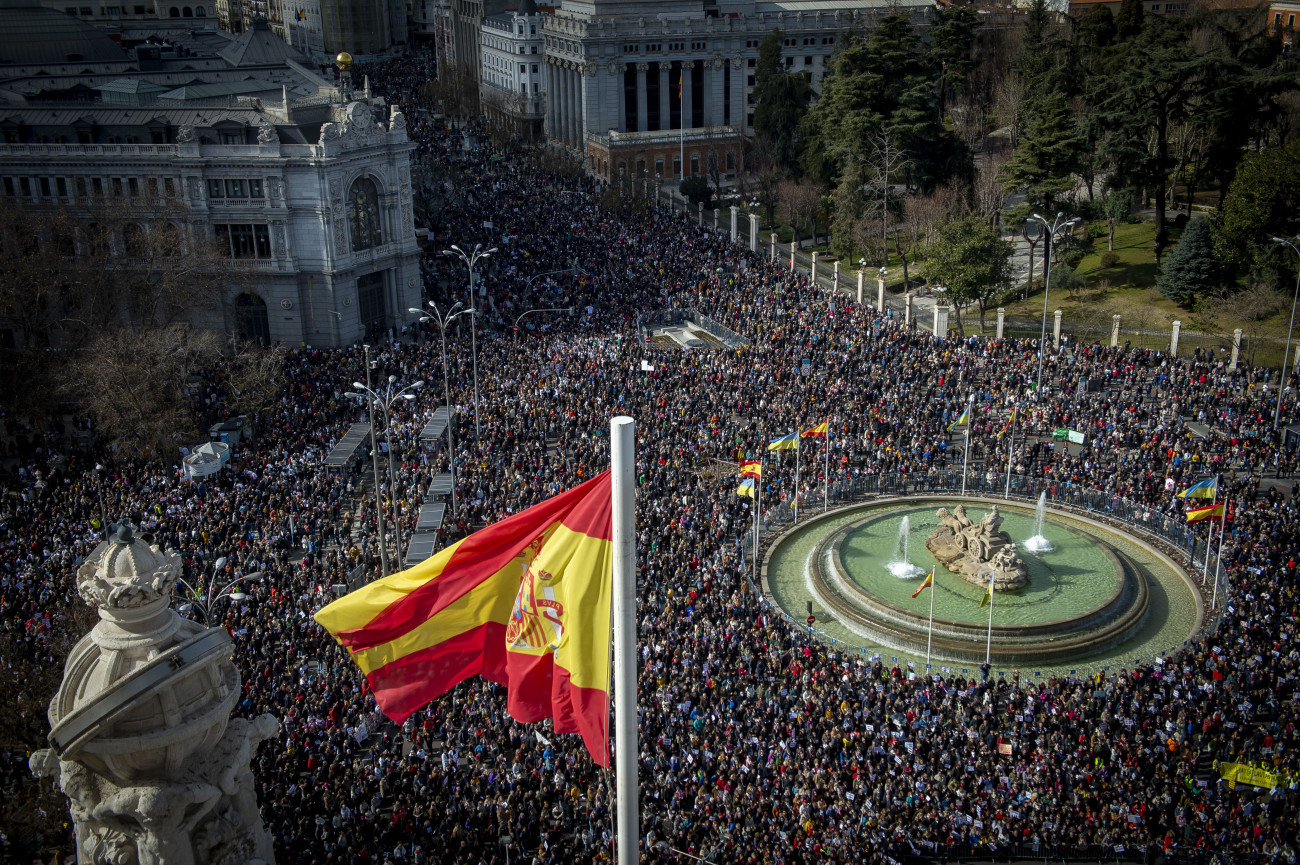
column 977, row 552
column 396, row 119
column 589, row 69
column 329, row 132
column 142, row 743
column 266, row 134
column 688, row 64
column 185, row 135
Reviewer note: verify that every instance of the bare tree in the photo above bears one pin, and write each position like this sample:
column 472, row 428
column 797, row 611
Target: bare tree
column 886, row 160
column 988, row 195
column 801, row 200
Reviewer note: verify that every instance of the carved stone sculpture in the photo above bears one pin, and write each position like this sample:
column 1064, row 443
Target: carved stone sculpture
column 979, row 551
column 155, row 771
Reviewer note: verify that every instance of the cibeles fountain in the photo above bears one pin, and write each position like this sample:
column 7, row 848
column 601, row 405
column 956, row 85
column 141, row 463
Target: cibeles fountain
column 1071, row 589
column 142, row 742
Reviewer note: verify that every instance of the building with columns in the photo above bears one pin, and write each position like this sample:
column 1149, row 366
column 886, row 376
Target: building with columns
column 510, row 77
column 667, row 91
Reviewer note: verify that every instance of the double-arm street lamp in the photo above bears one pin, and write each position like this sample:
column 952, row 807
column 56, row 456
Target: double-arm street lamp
column 384, row 402
column 471, row 260
column 206, row 597
column 1051, row 229
column 1286, row 353
column 442, row 319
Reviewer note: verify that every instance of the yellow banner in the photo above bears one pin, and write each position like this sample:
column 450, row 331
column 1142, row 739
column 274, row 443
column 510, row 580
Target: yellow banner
column 1244, row 774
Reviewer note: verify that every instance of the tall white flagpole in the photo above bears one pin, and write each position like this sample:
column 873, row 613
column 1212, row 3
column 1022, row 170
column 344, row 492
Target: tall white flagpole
column 826, row 468
column 622, row 433
column 1218, row 562
column 965, row 457
column 929, row 634
column 1209, row 543
column 1011, row 446
column 988, row 646
column 796, row 473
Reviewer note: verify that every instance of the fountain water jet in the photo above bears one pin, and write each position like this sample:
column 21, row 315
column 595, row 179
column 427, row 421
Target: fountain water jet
column 1038, row 543
column 899, row 565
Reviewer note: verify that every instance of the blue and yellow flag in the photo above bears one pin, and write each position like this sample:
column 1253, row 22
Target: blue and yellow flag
column 1206, row 489
column 746, row 488
column 784, row 443
column 963, row 418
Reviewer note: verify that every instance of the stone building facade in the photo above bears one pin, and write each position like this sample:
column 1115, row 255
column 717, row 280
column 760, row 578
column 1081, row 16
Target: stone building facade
column 510, row 77
column 668, row 91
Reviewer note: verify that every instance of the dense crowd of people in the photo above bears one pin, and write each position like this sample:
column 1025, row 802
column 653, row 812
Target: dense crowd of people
column 759, row 744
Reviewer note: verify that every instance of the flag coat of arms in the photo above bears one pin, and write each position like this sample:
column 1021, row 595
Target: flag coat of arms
column 751, row 469
column 524, row 603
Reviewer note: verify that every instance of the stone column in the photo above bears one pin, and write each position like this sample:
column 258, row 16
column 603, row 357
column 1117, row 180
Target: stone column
column 738, row 94
column 735, row 224
column 1114, row 331
column 940, row 321
column 665, row 97
column 880, row 294
column 715, row 95
column 812, row 271
column 835, row 276
column 701, row 206
column 1173, row 339
column 562, row 90
column 716, row 211
column 774, row 247
column 141, row 732
column 688, row 70
column 907, row 309
column 1236, row 349
column 579, row 128
column 1056, row 329
column 792, row 248
column 552, row 101
column 642, row 106
column 753, row 232
column 1002, row 318
column 861, row 278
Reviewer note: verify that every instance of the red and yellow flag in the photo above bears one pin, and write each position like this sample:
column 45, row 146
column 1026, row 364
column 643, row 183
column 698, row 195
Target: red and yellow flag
column 524, row 603
column 1209, row 512
column 1011, row 420
column 818, row 431
column 751, row 468
column 926, row 584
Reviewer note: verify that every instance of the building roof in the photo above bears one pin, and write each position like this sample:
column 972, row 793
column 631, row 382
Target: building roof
column 216, row 90
column 258, row 46
column 130, row 85
column 31, row 34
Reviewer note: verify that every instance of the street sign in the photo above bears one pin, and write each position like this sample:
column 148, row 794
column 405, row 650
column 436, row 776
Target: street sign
column 812, row 619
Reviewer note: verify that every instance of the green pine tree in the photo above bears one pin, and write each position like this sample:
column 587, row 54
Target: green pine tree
column 1047, row 156
column 780, row 101
column 1129, row 21
column 1192, row 269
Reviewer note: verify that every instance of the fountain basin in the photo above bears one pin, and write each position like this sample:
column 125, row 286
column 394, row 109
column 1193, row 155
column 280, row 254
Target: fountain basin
column 1102, row 598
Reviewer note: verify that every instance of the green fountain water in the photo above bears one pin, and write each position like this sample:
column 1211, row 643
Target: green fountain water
column 1071, row 579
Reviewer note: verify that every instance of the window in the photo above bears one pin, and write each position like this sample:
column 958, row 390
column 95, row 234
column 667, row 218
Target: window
column 523, row 67
column 750, row 80
column 232, row 138
column 26, row 184
column 151, row 186
column 169, row 186
column 86, row 11
column 731, row 161
column 45, row 187
column 132, row 187
column 370, row 299
column 236, row 188
column 244, row 241
column 659, row 168
column 534, row 68
column 139, row 10
column 215, row 189
column 751, row 63
column 97, row 184
column 62, row 185
column 695, row 165
column 363, row 215
column 9, row 186
column 255, row 188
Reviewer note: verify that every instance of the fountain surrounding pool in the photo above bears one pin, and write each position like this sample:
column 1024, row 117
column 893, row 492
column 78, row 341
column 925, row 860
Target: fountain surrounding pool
column 1095, row 598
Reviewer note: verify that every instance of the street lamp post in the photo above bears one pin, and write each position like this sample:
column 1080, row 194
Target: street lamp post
column 1049, row 237
column 374, row 459
column 99, row 487
column 385, row 402
column 443, row 319
column 1286, row 353
column 471, row 259
column 568, row 309
column 206, row 597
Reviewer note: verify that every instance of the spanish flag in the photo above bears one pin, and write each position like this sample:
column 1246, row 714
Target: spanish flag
column 988, row 594
column 927, row 584
column 817, row 432
column 784, row 443
column 751, row 469
column 1010, row 421
column 1209, row 512
column 524, row 603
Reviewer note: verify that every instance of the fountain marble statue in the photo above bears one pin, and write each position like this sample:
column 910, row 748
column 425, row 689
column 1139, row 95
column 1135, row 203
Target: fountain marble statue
column 977, row 551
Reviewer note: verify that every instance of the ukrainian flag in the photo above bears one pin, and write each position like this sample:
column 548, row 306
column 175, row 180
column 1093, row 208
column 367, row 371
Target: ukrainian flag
column 785, row 442
column 746, row 488
column 964, row 418
column 1206, row 489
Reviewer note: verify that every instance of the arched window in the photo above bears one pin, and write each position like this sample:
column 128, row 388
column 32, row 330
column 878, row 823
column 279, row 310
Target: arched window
column 174, row 12
column 200, row 12
column 133, row 240
column 363, row 215
column 187, row 12
column 251, row 320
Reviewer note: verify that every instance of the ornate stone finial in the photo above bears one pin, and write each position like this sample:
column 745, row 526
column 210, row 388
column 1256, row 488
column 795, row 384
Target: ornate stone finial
column 128, row 573
column 396, row 119
column 329, row 132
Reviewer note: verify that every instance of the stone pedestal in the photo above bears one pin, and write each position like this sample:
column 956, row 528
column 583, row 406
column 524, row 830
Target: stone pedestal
column 1002, row 320
column 940, row 321
column 861, row 277
column 142, row 743
column 1114, row 330
column 1056, row 330
column 1236, row 349
column 1173, row 339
